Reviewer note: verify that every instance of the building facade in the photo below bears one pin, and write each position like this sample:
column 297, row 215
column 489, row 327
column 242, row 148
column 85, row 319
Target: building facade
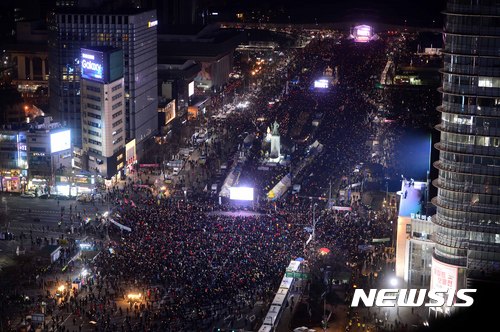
column 419, row 251
column 103, row 110
column 49, row 154
column 13, row 160
column 135, row 34
column 467, row 220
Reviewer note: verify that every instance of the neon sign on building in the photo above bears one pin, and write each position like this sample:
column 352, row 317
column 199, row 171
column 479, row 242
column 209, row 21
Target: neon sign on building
column 92, row 64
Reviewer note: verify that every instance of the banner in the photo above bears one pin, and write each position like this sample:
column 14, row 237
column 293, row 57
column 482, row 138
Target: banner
column 121, row 226
column 385, row 239
column 341, row 208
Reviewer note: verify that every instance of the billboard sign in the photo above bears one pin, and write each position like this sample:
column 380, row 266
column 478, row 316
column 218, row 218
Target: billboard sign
column 130, row 152
column 341, row 208
column 241, row 193
column 443, row 276
column 60, row 141
column 92, row 63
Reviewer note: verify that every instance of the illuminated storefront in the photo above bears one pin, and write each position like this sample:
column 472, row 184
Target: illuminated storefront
column 39, row 184
column 13, row 180
column 13, row 161
column 74, row 185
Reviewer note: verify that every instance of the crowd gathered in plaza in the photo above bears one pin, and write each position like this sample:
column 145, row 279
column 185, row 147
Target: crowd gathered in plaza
column 194, row 265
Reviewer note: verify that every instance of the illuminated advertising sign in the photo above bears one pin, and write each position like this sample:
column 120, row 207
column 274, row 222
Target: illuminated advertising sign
column 241, row 193
column 130, row 152
column 60, row 141
column 191, row 89
column 321, row 84
column 152, row 23
column 92, row 63
column 443, row 276
column 169, row 111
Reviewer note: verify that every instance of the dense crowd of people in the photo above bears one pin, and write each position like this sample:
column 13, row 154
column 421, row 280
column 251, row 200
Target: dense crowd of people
column 208, row 264
column 194, row 264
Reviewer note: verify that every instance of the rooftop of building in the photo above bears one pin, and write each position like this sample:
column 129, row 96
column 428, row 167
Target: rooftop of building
column 198, row 100
column 43, row 123
column 210, row 42
column 103, row 7
column 102, row 48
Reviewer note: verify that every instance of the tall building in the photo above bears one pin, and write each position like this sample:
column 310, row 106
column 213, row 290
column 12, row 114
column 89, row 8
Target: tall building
column 13, row 160
column 103, row 110
column 467, row 220
column 134, row 32
column 173, row 12
column 49, row 154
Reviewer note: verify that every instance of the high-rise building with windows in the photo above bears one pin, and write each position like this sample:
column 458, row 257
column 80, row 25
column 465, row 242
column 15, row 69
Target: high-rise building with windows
column 133, row 31
column 103, row 110
column 467, row 220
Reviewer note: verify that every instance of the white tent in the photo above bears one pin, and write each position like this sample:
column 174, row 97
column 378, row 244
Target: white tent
column 280, row 188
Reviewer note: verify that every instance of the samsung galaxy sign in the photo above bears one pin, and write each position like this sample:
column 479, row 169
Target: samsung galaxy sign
column 92, row 65
column 413, row 298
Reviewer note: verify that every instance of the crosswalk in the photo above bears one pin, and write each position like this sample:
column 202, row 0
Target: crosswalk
column 33, row 211
column 39, row 217
column 37, row 231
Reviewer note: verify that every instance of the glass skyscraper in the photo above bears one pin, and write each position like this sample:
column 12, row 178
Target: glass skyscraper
column 467, row 221
column 132, row 31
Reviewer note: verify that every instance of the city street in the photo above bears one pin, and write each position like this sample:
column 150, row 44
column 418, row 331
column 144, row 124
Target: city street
column 165, row 250
column 23, row 213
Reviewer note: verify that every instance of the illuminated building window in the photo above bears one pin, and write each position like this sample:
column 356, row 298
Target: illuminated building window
column 488, row 82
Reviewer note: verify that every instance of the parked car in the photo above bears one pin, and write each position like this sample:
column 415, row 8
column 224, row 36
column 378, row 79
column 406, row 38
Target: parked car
column 28, row 194
column 84, row 198
column 44, row 196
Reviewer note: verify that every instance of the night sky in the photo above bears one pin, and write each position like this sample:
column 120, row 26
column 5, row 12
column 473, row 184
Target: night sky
column 416, row 12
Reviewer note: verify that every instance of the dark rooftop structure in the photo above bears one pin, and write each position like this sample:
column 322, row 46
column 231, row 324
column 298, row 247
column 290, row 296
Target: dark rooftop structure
column 196, row 42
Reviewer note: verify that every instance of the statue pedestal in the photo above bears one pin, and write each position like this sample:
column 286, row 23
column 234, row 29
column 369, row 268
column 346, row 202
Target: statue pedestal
column 275, row 147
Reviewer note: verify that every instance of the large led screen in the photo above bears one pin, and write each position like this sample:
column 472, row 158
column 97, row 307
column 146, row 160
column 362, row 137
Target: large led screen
column 60, row 141
column 362, row 33
column 191, row 89
column 321, row 84
column 92, row 63
column 241, row 193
